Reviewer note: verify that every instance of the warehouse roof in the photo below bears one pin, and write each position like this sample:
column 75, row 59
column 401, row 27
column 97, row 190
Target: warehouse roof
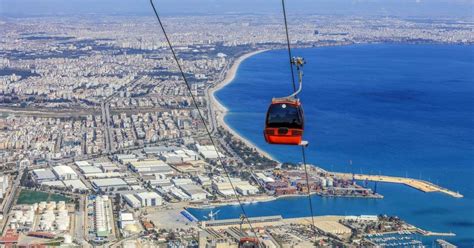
column 148, row 195
column 246, row 187
column 63, row 169
column 148, row 163
column 181, row 181
column 108, row 182
column 103, row 175
column 42, row 174
column 124, row 216
column 151, row 166
column 76, row 184
column 131, row 198
column 192, row 189
column 90, row 169
column 82, row 163
column 53, row 183
column 158, row 149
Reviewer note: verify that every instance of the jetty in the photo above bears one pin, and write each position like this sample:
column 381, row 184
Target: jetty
column 445, row 244
column 418, row 184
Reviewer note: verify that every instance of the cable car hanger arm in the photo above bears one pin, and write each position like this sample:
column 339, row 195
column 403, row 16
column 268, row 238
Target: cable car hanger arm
column 298, row 62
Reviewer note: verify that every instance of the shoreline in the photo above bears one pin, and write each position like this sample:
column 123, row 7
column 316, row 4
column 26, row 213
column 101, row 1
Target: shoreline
column 221, row 111
column 269, row 198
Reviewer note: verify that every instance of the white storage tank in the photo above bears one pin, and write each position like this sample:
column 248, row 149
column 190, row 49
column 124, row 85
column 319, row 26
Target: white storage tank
column 67, row 239
column 18, row 214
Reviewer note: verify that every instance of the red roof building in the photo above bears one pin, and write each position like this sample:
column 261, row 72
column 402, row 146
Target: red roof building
column 9, row 238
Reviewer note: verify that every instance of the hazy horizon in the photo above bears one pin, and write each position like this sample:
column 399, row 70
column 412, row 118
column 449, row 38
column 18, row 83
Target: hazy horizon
column 401, row 8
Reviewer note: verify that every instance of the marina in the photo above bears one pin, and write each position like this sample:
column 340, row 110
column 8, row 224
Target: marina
column 400, row 239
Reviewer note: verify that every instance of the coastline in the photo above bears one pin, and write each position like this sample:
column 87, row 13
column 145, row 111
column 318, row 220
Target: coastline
column 268, row 198
column 221, row 111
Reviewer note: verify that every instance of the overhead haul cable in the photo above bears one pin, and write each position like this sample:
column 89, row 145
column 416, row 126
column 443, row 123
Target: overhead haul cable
column 294, row 90
column 290, row 57
column 188, row 86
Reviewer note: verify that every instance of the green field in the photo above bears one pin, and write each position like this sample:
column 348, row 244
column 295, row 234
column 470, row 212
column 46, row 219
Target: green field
column 31, row 197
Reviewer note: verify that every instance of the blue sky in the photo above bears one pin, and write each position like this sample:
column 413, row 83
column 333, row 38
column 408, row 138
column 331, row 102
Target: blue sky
column 404, row 8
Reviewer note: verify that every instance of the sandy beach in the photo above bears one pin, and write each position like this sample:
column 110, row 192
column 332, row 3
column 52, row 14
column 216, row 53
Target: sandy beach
column 220, row 110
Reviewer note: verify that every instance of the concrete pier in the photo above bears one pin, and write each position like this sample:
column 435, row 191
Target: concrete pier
column 414, row 183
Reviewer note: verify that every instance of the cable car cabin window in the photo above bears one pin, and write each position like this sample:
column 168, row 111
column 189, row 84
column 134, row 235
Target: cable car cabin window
column 284, row 115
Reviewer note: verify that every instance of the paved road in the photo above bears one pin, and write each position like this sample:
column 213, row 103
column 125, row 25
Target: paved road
column 80, row 227
column 211, row 114
column 107, row 127
column 8, row 202
column 11, row 197
column 104, row 122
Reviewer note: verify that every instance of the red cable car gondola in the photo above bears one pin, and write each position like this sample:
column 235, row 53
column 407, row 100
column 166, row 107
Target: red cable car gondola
column 249, row 242
column 284, row 123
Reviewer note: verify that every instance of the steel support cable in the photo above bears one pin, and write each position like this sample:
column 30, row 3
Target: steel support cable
column 188, row 86
column 309, row 188
column 288, row 45
column 294, row 90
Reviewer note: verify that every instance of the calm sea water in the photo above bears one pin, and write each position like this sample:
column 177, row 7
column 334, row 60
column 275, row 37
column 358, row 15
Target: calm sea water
column 403, row 110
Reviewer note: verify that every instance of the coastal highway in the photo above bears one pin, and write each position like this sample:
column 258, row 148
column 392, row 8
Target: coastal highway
column 211, row 114
column 414, row 183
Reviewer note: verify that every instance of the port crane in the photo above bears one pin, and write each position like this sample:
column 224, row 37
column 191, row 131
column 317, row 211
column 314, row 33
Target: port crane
column 212, row 215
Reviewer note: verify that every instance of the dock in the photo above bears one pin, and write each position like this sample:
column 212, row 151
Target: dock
column 414, row 183
column 445, row 244
column 431, row 233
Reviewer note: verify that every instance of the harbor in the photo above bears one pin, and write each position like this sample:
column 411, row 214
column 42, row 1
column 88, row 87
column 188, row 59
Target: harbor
column 399, row 239
column 394, row 232
column 421, row 185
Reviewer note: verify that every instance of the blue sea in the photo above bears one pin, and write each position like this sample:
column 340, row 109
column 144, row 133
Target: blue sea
column 394, row 109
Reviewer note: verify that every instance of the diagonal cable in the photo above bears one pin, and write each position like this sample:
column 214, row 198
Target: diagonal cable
column 309, row 189
column 294, row 89
column 288, row 45
column 188, row 86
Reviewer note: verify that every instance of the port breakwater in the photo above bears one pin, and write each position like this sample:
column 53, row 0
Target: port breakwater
column 418, row 184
